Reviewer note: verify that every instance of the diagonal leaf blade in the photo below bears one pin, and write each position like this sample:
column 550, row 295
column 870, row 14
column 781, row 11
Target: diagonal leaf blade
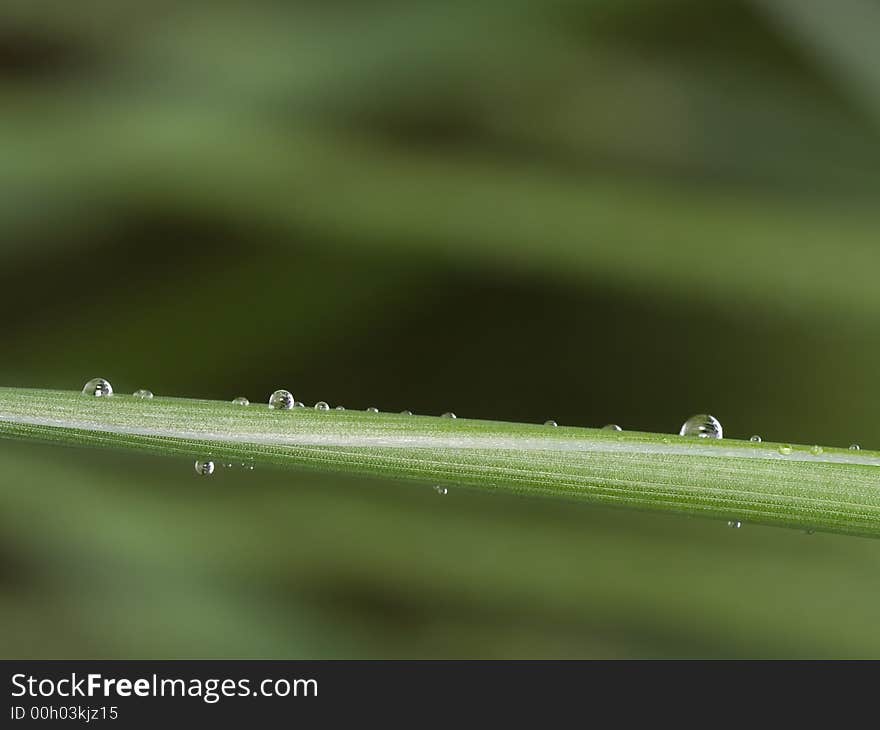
column 829, row 489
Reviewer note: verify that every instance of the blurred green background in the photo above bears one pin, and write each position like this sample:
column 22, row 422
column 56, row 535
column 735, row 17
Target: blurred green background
column 623, row 211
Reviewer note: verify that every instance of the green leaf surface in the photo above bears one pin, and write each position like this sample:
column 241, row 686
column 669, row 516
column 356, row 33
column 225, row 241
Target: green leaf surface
column 813, row 488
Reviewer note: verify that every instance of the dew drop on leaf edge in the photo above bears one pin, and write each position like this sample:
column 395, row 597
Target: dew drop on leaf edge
column 702, row 426
column 281, row 400
column 241, row 401
column 204, row 467
column 98, row 387
column 143, row 394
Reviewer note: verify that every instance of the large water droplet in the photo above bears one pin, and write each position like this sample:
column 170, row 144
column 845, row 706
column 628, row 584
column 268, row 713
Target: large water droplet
column 321, row 406
column 241, row 401
column 98, row 387
column 442, row 491
column 551, row 422
column 372, row 409
column 281, row 400
column 755, row 439
column 702, row 426
column 448, row 414
column 143, row 394
column 611, row 427
column 204, row 468
column 734, row 524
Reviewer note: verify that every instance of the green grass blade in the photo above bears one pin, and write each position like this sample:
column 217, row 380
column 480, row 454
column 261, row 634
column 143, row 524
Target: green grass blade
column 829, row 489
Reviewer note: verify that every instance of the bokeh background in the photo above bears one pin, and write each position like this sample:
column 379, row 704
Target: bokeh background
column 608, row 211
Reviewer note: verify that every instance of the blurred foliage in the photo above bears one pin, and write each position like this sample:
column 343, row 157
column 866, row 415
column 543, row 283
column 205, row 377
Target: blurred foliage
column 590, row 211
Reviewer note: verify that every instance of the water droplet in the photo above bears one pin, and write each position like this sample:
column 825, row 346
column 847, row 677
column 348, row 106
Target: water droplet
column 340, row 408
column 204, row 468
column 855, row 447
column 281, row 400
column 406, row 413
column 241, row 401
column 702, row 426
column 611, row 427
column 809, row 531
column 755, row 439
column 372, row 409
column 785, row 449
column 299, row 404
column 321, row 406
column 816, row 450
column 734, row 524
column 143, row 394
column 98, row 387
column 551, row 422
column 448, row 414
column 442, row 491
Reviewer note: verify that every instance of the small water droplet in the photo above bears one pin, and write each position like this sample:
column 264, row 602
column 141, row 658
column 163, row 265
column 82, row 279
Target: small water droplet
column 372, row 409
column 143, row 394
column 340, row 408
column 321, row 406
column 755, row 439
column 241, row 401
column 551, row 422
column 816, row 450
column 785, row 449
column 442, row 491
column 98, row 387
column 702, row 426
column 448, row 414
column 611, row 427
column 855, row 447
column 809, row 531
column 299, row 404
column 281, row 400
column 406, row 413
column 734, row 524
column 204, row 468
